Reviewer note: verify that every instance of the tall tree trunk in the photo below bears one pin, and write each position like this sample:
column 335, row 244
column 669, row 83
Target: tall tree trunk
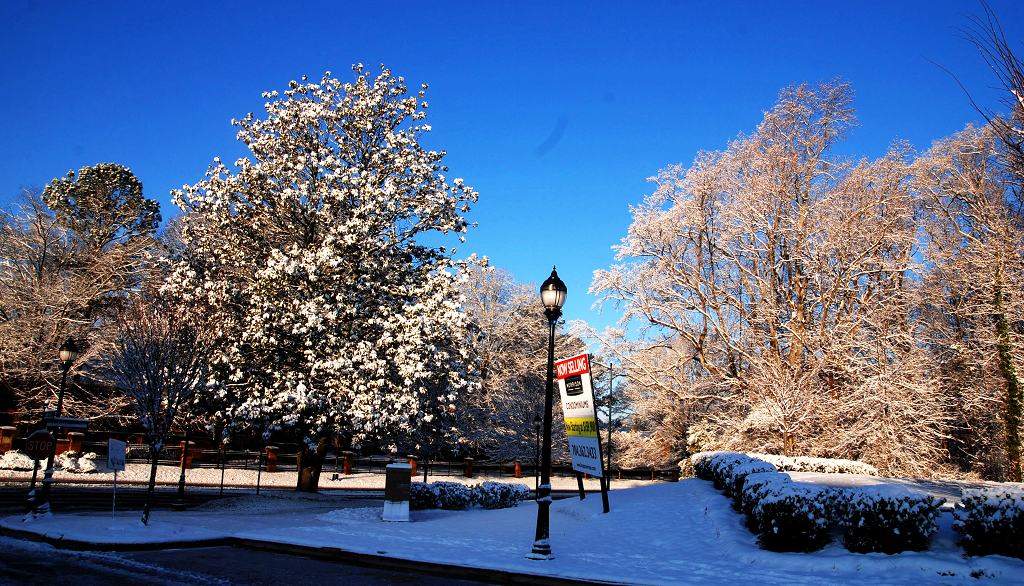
column 153, row 453
column 309, row 464
column 1012, row 406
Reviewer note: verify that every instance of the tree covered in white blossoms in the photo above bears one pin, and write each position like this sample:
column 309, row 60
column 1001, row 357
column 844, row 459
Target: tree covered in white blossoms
column 331, row 311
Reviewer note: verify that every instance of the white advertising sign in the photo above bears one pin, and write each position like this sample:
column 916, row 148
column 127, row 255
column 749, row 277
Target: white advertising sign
column 577, row 390
column 115, row 454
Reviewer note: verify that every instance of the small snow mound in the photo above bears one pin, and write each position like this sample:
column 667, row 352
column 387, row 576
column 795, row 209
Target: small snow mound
column 15, row 460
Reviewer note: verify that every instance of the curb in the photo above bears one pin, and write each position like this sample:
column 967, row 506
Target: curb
column 379, row 560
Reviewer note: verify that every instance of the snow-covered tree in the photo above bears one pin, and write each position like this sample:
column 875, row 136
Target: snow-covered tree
column 68, row 258
column 331, row 308
column 771, row 284
column 159, row 361
column 508, row 340
column 972, row 218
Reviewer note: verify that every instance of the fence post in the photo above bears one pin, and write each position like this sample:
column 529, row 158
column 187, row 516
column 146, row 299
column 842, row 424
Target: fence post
column 518, row 470
column 467, row 469
column 186, row 455
column 412, row 464
column 347, row 465
column 7, row 438
column 75, row 441
column 271, row 458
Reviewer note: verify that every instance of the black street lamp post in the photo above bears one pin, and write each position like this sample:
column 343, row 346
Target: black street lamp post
column 68, row 353
column 536, row 455
column 552, row 294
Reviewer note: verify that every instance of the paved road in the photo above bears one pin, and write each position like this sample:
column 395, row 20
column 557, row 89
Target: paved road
column 69, row 497
column 30, row 563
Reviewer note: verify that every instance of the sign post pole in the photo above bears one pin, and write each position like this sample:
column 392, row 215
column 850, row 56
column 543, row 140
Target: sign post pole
column 116, row 456
column 38, row 445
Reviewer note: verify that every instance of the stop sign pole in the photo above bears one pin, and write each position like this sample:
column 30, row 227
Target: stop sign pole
column 38, row 445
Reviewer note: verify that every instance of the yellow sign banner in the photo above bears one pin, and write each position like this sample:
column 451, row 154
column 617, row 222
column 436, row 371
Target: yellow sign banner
column 581, row 427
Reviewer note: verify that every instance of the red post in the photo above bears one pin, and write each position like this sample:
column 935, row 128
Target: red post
column 271, row 458
column 75, row 441
column 412, row 463
column 7, row 438
column 348, row 463
column 518, row 470
column 185, row 461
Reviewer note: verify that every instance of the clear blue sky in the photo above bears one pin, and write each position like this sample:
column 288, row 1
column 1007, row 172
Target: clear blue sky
column 556, row 114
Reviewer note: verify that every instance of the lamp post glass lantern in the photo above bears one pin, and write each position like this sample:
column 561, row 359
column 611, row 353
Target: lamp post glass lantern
column 552, row 295
column 67, row 353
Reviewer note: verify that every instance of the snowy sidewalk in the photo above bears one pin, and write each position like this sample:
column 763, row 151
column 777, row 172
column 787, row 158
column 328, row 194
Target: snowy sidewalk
column 673, row 533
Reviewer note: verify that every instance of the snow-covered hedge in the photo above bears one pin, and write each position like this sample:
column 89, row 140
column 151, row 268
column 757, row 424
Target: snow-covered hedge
column 77, row 462
column 705, row 464
column 755, row 488
column 439, row 495
column 888, row 519
column 728, row 469
column 74, row 462
column 422, row 496
column 822, row 465
column 15, row 460
column 499, row 495
column 792, row 517
column 457, row 497
column 991, row 521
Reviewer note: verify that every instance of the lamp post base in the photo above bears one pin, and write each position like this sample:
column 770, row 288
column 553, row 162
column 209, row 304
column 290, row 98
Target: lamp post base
column 541, row 551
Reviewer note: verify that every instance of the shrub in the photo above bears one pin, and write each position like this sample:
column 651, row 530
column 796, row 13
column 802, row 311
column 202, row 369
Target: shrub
column 755, row 487
column 716, row 466
column 823, row 465
column 889, row 519
column 422, row 496
column 77, row 463
column 702, row 463
column 499, row 495
column 991, row 521
column 738, row 475
column 452, row 496
column 686, row 468
column 791, row 517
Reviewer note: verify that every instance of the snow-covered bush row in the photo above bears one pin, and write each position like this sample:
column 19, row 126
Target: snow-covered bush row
column 822, row 465
column 888, row 519
column 455, row 496
column 499, row 495
column 15, row 460
column 77, row 462
column 991, row 521
column 74, row 462
column 793, row 516
column 422, row 496
column 707, row 461
column 728, row 469
column 451, row 496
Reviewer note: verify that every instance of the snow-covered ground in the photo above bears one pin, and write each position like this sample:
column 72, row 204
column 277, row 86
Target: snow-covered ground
column 670, row 533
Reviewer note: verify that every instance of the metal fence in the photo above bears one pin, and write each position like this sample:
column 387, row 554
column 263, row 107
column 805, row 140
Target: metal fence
column 286, row 458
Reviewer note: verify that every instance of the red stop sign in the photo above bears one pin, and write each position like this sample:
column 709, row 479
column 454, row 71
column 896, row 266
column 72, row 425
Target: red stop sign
column 39, row 444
